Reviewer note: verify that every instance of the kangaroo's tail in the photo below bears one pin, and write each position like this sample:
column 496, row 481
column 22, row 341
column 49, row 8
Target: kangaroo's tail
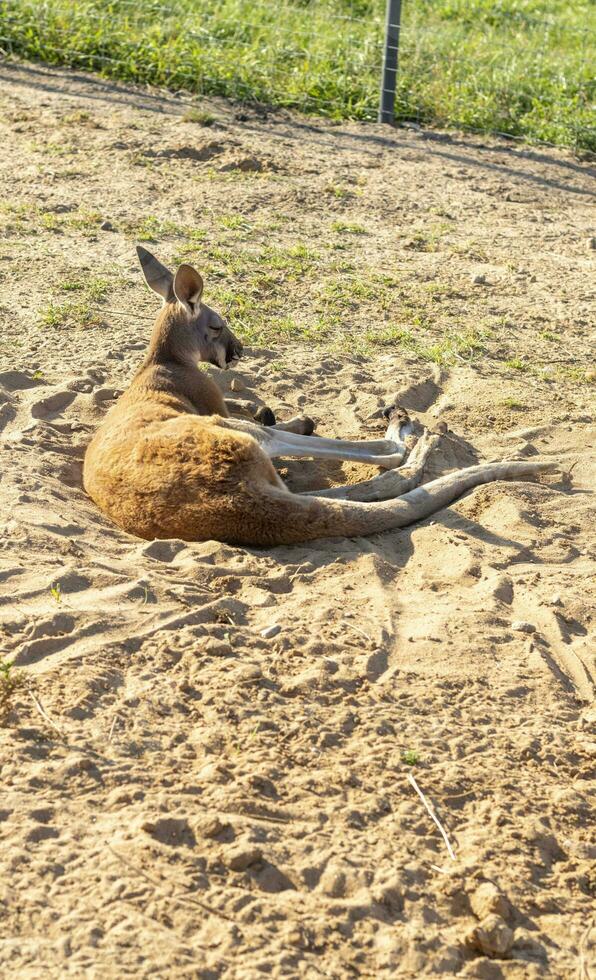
column 279, row 517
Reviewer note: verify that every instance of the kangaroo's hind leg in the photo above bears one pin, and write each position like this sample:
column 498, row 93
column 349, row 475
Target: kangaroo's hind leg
column 388, row 453
column 391, row 483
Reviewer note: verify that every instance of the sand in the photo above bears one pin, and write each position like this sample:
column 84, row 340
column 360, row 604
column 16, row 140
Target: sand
column 187, row 792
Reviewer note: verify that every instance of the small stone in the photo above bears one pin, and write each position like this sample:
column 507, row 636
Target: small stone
column 333, row 882
column 591, row 243
column 478, row 279
column 210, row 827
column 216, row 648
column 591, row 374
column 74, row 765
column 520, row 627
column 488, row 899
column 237, row 384
column 270, row 631
column 242, row 857
column 492, row 936
column 107, row 226
column 106, row 394
column 556, row 600
column 80, row 384
column 250, row 674
column 213, row 772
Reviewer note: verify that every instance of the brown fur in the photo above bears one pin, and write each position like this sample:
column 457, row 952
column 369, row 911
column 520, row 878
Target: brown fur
column 164, row 463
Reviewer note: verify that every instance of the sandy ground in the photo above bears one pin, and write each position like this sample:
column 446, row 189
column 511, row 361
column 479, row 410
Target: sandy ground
column 182, row 796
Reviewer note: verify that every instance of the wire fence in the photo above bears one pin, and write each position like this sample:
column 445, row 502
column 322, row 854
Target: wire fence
column 472, row 65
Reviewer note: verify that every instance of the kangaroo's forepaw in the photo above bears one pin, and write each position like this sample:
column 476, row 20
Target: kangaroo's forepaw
column 265, row 416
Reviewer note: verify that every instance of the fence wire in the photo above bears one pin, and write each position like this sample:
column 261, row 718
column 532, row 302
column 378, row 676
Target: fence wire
column 504, row 71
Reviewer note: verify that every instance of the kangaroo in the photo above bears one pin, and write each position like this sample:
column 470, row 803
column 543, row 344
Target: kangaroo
column 168, row 461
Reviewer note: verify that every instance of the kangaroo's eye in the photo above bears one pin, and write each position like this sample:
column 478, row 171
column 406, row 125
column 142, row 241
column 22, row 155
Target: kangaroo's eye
column 216, row 330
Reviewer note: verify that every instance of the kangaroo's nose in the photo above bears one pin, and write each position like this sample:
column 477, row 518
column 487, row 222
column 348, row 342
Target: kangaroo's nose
column 233, row 350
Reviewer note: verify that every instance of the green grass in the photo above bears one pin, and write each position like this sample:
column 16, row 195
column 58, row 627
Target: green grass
column 11, row 682
column 68, row 315
column 513, row 403
column 199, row 116
column 520, row 67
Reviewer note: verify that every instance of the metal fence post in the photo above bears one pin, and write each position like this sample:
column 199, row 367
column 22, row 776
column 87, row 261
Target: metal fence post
column 390, row 59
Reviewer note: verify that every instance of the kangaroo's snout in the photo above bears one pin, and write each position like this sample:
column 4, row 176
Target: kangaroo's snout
column 233, row 350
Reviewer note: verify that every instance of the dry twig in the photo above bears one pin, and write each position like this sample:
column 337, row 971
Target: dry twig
column 45, row 715
column 433, row 815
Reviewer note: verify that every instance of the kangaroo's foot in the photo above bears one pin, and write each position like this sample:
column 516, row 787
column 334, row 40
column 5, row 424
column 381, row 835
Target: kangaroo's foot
column 391, row 483
column 302, row 425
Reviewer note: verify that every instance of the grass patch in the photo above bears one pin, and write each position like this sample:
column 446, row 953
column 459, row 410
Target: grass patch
column 199, row 116
column 513, row 404
column 95, row 289
column 520, row 67
column 69, row 315
column 516, row 364
column 153, row 229
column 11, row 682
column 349, row 229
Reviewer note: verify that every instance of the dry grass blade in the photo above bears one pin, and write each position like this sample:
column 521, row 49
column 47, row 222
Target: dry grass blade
column 39, row 706
column 583, row 972
column 358, row 630
column 112, row 726
column 433, row 816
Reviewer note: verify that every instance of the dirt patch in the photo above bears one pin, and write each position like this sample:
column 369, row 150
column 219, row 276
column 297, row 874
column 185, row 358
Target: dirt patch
column 187, row 791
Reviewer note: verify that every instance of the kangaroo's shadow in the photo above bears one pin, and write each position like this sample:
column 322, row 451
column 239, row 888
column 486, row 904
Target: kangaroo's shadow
column 396, row 547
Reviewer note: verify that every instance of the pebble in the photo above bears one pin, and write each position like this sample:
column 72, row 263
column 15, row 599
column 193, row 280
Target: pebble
column 213, row 772
column 333, row 882
column 237, row 384
column 106, row 394
column 241, row 857
column 210, row 827
column 520, row 627
column 270, row 631
column 591, row 243
column 107, row 226
column 216, row 648
column 488, row 899
column 478, row 280
column 251, row 674
column 591, row 374
column 492, row 936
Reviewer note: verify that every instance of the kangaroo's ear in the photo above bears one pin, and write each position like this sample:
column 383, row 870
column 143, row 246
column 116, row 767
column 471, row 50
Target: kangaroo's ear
column 188, row 286
column 158, row 278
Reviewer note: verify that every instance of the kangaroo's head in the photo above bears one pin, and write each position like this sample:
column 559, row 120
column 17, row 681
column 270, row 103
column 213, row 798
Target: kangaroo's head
column 186, row 329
